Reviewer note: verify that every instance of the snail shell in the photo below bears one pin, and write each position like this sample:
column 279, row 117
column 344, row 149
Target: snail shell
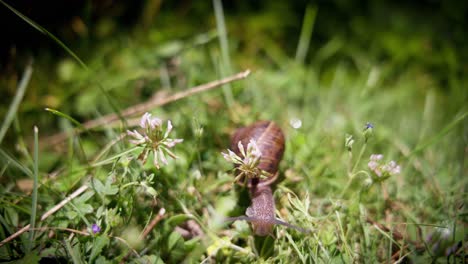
column 270, row 141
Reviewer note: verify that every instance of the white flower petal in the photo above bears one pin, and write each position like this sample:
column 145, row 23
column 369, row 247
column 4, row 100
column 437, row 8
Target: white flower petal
column 163, row 158
column 234, row 156
column 155, row 159
column 155, row 122
column 171, row 142
column 144, row 121
column 396, row 170
column 130, row 133
column 241, row 148
column 372, row 165
column 137, row 142
column 169, row 128
column 226, row 156
column 250, row 146
column 168, row 152
column 134, row 134
column 378, row 172
column 376, row 157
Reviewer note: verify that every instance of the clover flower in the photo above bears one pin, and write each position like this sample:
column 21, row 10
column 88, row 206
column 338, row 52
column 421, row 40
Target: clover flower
column 248, row 161
column 382, row 170
column 154, row 139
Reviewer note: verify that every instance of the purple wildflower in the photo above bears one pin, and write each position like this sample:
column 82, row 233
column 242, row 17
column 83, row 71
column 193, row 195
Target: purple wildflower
column 95, row 228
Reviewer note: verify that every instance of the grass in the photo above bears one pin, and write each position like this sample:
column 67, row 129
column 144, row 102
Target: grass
column 334, row 89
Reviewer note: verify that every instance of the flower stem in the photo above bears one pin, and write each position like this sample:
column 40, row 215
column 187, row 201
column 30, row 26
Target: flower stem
column 363, row 148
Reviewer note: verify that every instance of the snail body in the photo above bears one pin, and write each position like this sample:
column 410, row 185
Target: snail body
column 261, row 213
column 262, row 210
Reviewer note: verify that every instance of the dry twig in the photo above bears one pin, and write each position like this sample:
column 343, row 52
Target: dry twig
column 153, row 223
column 147, row 230
column 47, row 214
column 145, row 106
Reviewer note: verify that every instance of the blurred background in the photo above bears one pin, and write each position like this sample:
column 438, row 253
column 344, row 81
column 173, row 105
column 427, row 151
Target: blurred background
column 425, row 35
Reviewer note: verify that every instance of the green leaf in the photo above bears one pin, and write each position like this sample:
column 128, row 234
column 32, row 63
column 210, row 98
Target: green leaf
column 30, row 258
column 174, row 237
column 176, row 246
column 99, row 243
column 98, row 186
column 82, row 206
column 177, row 219
column 102, row 260
column 149, row 259
column 109, row 188
column 71, row 214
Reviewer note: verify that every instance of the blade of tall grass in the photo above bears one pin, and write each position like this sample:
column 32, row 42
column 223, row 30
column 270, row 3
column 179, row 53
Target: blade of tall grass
column 78, row 124
column 14, row 163
column 442, row 133
column 306, row 34
column 225, row 67
column 111, row 159
column 20, row 91
column 69, row 118
column 34, row 193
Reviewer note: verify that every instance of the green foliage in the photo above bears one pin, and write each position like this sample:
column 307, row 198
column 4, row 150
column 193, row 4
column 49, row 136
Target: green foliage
column 322, row 94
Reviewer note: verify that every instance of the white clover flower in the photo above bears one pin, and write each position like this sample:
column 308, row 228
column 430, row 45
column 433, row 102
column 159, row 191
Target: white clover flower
column 382, row 170
column 376, row 157
column 248, row 160
column 152, row 139
column 147, row 122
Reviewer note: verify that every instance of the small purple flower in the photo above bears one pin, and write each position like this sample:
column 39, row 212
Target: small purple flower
column 368, row 126
column 368, row 131
column 95, row 228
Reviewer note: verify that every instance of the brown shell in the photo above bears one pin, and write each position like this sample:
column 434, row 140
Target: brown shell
column 270, row 140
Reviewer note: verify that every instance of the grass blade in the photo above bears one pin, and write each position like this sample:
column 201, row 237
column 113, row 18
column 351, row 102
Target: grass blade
column 226, row 67
column 306, row 33
column 5, row 157
column 442, row 133
column 16, row 101
column 69, row 118
column 34, row 194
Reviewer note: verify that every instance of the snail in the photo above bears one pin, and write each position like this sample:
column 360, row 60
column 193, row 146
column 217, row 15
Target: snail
column 270, row 140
